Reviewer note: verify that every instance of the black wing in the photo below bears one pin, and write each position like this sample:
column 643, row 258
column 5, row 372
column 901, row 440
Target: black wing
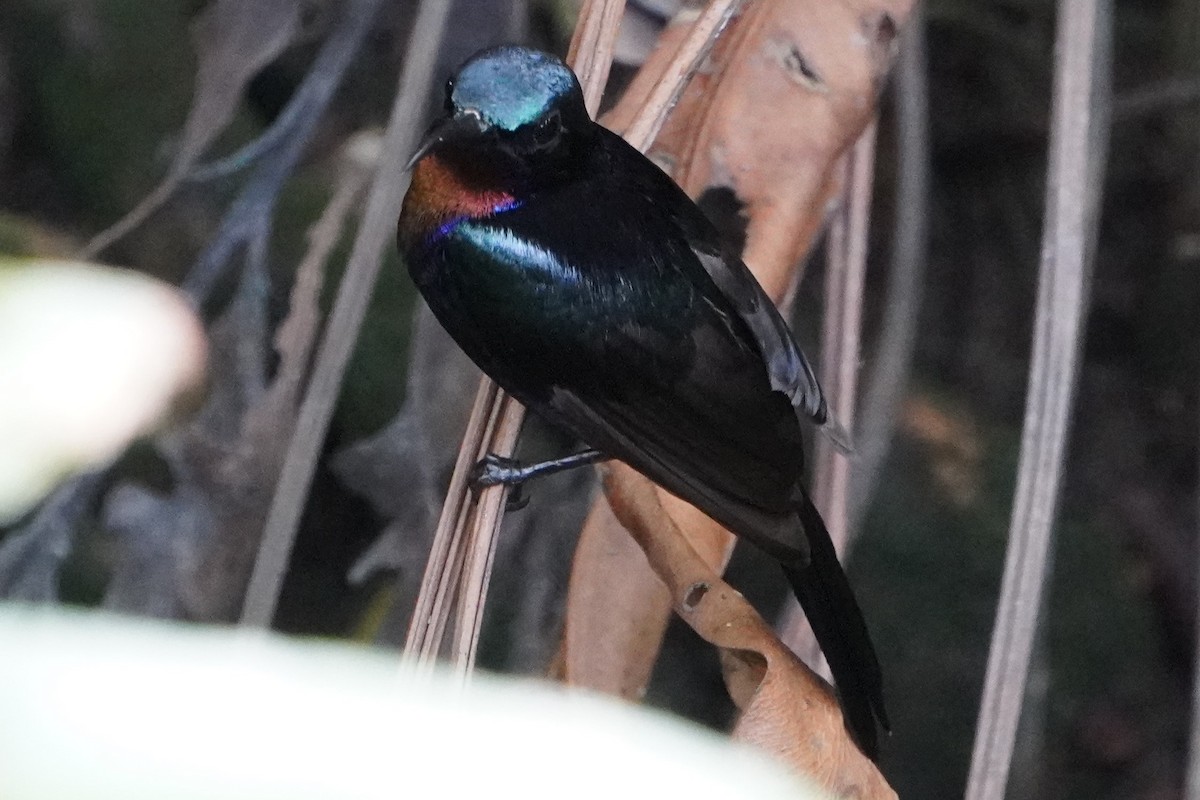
column 733, row 453
column 787, row 368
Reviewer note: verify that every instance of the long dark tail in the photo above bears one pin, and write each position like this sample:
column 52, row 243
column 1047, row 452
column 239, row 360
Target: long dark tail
column 828, row 602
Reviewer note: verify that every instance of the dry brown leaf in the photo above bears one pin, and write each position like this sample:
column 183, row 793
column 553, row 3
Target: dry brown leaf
column 234, row 39
column 786, row 709
column 617, row 611
column 792, row 86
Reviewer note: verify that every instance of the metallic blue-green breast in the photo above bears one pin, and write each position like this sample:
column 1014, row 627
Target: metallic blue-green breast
column 520, row 310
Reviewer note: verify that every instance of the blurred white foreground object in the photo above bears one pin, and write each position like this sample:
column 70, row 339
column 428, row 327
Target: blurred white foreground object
column 90, row 358
column 96, row 707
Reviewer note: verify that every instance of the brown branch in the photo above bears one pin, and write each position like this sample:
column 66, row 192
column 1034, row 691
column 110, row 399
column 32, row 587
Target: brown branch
column 427, row 629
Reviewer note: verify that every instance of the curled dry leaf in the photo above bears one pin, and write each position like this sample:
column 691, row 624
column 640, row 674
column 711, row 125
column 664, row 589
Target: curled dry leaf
column 789, row 87
column 786, row 708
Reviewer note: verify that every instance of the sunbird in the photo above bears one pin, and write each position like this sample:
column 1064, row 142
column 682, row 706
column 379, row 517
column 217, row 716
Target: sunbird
column 577, row 275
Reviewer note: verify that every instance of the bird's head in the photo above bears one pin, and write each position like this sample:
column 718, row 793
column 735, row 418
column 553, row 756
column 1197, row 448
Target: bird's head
column 517, row 109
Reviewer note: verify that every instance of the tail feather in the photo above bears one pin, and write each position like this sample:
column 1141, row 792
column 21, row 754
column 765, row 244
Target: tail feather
column 828, row 602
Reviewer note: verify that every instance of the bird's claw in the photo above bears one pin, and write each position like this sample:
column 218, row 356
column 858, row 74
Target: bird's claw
column 517, row 499
column 494, row 470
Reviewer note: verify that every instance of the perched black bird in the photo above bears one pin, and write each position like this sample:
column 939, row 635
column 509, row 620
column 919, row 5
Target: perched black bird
column 578, row 276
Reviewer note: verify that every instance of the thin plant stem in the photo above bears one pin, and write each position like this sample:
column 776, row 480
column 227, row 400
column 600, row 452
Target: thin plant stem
column 345, row 320
column 1076, row 153
column 889, row 370
column 481, row 554
column 840, row 345
column 694, row 49
column 842, row 337
column 443, row 542
column 1192, row 781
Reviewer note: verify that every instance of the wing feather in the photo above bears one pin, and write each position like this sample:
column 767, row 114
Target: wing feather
column 788, row 370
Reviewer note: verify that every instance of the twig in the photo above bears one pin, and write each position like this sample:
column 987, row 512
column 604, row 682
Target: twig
column 1156, row 97
column 842, row 335
column 694, row 49
column 250, row 357
column 31, row 557
column 428, row 623
column 255, row 204
column 1190, row 90
column 346, row 318
column 840, row 344
column 1084, row 29
column 297, row 335
column 591, row 50
column 290, row 119
column 477, row 570
column 889, row 371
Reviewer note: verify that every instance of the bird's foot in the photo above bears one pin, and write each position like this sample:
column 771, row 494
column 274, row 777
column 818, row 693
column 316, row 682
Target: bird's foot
column 494, row 470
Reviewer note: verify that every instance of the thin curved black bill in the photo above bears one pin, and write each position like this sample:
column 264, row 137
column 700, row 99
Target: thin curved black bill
column 460, row 127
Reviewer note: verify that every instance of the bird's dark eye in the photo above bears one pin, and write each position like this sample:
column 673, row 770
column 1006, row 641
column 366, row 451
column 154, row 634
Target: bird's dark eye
column 448, row 103
column 547, row 130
